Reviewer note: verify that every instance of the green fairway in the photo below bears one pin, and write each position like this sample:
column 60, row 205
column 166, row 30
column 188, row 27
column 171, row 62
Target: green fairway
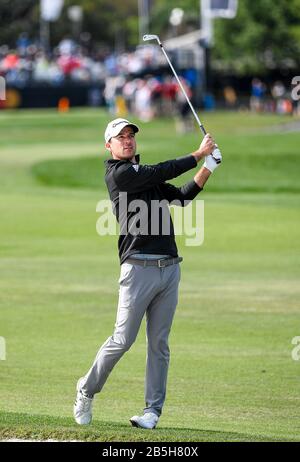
column 232, row 376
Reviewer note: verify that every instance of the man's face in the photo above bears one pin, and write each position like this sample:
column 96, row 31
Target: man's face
column 123, row 146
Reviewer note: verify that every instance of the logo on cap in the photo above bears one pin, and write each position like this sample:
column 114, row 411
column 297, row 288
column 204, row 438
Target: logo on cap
column 115, row 126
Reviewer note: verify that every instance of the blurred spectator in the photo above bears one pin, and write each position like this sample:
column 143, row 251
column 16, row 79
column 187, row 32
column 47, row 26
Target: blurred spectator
column 282, row 99
column 296, row 108
column 47, row 71
column 278, row 92
column 113, row 88
column 169, row 90
column 209, row 102
column 10, row 61
column 230, row 97
column 111, row 65
column 156, row 95
column 184, row 120
column 67, row 47
column 23, row 43
column 142, row 101
column 258, row 91
column 129, row 90
column 95, row 97
column 68, row 64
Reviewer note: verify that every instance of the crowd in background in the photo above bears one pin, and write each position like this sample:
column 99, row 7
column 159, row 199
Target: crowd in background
column 126, row 79
column 275, row 99
column 69, row 62
column 149, row 97
column 123, row 91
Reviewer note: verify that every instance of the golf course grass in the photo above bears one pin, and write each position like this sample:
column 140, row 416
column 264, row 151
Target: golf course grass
column 232, row 376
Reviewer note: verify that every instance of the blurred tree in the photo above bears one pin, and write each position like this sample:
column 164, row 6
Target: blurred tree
column 264, row 35
column 161, row 11
column 108, row 22
column 112, row 23
column 17, row 16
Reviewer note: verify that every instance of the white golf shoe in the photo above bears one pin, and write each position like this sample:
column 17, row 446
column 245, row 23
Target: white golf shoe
column 148, row 420
column 82, row 407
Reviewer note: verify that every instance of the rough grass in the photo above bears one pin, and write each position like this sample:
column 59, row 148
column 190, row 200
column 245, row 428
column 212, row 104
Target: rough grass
column 31, row 427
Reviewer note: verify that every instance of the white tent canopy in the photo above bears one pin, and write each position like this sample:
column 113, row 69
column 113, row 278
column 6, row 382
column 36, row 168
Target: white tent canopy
column 51, row 9
column 220, row 8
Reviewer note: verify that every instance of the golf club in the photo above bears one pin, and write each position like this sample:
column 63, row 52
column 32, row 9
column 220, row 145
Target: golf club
column 216, row 152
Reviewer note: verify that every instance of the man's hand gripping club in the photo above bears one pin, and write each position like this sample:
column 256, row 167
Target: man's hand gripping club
column 209, row 150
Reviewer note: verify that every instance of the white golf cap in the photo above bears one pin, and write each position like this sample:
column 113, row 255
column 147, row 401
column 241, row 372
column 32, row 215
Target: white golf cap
column 115, row 126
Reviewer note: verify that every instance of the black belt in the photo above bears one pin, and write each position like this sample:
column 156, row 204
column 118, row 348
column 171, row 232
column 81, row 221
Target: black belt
column 161, row 262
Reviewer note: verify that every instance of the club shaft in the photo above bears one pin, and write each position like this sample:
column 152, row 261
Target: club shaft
column 184, row 92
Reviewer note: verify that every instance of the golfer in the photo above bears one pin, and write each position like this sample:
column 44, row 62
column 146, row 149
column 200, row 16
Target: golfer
column 150, row 271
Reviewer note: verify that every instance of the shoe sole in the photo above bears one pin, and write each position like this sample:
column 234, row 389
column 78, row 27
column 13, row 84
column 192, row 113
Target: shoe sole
column 136, row 425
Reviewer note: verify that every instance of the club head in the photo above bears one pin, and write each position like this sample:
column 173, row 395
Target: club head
column 148, row 37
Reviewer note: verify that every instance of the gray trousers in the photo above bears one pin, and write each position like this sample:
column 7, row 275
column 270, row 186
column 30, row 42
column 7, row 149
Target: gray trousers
column 149, row 290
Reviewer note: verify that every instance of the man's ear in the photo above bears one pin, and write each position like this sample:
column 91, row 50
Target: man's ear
column 107, row 146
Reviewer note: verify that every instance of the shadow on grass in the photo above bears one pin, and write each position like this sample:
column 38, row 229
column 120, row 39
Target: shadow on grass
column 41, row 427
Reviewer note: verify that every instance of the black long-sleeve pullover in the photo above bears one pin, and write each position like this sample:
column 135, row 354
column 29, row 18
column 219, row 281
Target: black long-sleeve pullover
column 128, row 184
